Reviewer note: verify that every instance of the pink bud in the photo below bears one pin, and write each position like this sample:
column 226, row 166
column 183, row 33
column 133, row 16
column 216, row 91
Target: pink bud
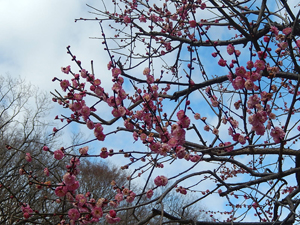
column 28, row 157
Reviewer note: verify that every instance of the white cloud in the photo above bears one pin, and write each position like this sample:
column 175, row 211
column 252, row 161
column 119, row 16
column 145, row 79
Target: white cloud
column 36, row 36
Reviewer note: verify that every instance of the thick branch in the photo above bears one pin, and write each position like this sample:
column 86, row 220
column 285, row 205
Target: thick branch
column 156, row 212
column 221, row 79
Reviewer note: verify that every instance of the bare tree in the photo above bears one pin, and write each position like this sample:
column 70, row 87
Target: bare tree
column 23, row 131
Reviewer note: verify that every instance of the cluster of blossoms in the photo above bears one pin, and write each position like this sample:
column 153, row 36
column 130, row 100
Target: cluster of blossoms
column 244, row 79
column 125, row 193
column 85, row 209
column 76, row 101
column 69, row 184
column 151, row 103
column 170, row 141
column 26, row 210
column 262, row 114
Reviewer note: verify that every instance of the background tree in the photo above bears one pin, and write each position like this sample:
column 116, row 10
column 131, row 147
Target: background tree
column 96, row 178
column 23, row 133
column 167, row 60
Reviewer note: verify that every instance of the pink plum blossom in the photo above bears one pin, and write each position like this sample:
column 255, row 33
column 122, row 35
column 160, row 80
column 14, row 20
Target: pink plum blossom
column 262, row 54
column 127, row 19
column 69, row 179
column 222, row 62
column 195, row 158
column 206, row 128
column 150, row 79
column 161, row 180
column 193, row 23
column 287, row 30
column 61, row 191
column 119, row 197
column 128, row 125
column 149, row 193
column 283, row 45
column 109, row 65
column 98, row 128
column 111, row 217
column 58, row 154
column 146, row 71
column 130, row 197
column 83, row 73
column 278, row 134
column 214, row 54
column 66, row 69
column 154, row 146
column 249, row 85
column 104, row 153
column 237, row 53
column 64, row 84
column 113, row 204
column 230, row 49
column 228, row 149
column 215, row 131
column 73, row 214
column 266, row 38
column 116, row 72
column 241, row 139
column 142, row 19
column 73, row 187
column 255, row 76
column 180, row 152
column 184, row 122
column 90, row 124
column 84, row 150
column 259, row 65
column 97, row 212
column 81, row 199
column 100, row 136
column 214, row 101
column 274, row 30
column 240, row 71
column 26, row 209
column 181, row 190
column 85, row 111
column 253, row 100
column 119, row 111
column 250, row 65
column 180, row 114
column 203, row 6
column 238, row 83
column 234, row 123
